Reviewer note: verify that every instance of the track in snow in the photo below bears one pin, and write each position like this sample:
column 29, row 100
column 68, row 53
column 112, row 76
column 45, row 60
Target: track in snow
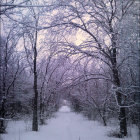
column 66, row 125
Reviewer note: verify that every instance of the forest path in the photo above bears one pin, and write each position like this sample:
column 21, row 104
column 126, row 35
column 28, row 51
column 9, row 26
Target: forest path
column 66, row 125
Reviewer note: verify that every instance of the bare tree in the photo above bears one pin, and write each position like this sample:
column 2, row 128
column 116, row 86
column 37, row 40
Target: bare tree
column 99, row 21
column 8, row 46
column 33, row 37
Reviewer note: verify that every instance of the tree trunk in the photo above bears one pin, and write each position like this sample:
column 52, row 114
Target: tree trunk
column 0, row 69
column 122, row 112
column 2, row 111
column 2, row 114
column 41, row 110
column 123, row 123
column 102, row 117
column 35, row 104
column 138, row 100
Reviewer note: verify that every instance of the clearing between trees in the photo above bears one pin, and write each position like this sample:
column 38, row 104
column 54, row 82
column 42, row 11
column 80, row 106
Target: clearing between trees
column 66, row 125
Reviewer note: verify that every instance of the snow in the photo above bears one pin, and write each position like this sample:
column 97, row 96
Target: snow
column 64, row 109
column 66, row 125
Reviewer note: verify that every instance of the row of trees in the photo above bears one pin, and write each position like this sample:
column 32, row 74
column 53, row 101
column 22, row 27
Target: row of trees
column 29, row 68
column 100, row 70
column 110, row 30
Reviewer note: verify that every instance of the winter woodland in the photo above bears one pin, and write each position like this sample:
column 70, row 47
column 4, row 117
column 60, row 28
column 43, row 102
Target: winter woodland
column 72, row 65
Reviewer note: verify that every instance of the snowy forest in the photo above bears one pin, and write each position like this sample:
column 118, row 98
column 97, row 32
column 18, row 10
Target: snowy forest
column 69, row 69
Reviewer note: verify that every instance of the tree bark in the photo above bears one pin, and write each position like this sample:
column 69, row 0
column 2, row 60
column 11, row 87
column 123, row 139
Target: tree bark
column 41, row 113
column 3, row 111
column 35, row 104
column 2, row 114
column 122, row 111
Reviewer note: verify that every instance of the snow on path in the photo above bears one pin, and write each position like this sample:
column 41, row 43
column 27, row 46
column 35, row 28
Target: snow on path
column 66, row 125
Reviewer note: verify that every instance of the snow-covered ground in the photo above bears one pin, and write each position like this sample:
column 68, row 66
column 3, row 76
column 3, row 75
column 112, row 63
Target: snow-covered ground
column 66, row 125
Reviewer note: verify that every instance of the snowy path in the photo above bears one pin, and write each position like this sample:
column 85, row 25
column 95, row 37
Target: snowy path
column 65, row 126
